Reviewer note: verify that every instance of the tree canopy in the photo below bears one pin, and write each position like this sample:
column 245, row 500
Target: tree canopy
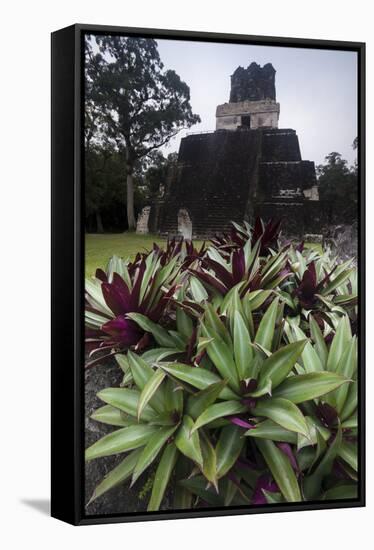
column 132, row 102
column 336, row 179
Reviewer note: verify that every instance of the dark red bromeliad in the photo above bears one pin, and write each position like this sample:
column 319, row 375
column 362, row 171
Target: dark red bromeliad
column 145, row 286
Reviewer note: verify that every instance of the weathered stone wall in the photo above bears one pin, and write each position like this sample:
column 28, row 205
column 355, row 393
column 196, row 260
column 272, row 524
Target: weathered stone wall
column 280, row 145
column 230, row 116
column 299, row 217
column 285, row 179
column 253, row 83
column 320, row 221
column 229, row 176
column 212, row 181
column 225, row 175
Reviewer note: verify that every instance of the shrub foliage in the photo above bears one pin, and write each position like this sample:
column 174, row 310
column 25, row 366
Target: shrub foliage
column 239, row 369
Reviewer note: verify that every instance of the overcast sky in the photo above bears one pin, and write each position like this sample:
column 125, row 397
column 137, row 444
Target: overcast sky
column 316, row 89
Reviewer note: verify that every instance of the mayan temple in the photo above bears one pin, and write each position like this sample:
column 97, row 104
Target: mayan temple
column 247, row 167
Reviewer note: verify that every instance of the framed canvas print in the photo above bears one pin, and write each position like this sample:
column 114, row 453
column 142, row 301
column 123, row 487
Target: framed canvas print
column 207, row 274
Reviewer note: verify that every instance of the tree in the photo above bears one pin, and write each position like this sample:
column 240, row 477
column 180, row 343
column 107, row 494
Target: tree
column 157, row 172
column 336, row 180
column 105, row 200
column 94, row 189
column 355, row 148
column 139, row 106
column 104, row 173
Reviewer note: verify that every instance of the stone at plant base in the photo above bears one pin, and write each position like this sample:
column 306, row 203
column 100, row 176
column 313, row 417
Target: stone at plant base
column 343, row 240
column 121, row 499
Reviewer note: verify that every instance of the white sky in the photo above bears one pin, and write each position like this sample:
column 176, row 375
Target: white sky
column 316, row 89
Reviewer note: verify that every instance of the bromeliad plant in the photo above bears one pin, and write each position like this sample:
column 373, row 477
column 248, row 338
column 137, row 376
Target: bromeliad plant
column 238, row 396
column 320, row 283
column 220, row 273
column 267, row 233
column 141, row 287
column 185, row 250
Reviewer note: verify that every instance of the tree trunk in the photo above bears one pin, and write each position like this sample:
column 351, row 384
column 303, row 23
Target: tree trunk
column 130, row 201
column 99, row 223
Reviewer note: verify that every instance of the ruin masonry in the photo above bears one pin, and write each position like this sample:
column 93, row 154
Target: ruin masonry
column 247, row 167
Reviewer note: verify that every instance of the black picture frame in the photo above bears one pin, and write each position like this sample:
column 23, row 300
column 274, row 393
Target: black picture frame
column 68, row 271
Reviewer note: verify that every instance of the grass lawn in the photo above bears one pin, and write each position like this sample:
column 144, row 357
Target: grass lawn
column 100, row 247
column 316, row 246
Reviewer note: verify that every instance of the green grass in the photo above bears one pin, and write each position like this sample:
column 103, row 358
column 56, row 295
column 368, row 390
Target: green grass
column 100, row 247
column 316, row 246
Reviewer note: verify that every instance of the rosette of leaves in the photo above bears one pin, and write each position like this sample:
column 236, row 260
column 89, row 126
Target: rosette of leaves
column 239, row 234
column 142, row 287
column 156, row 419
column 182, row 248
column 177, row 338
column 331, row 466
column 192, row 419
column 325, row 462
column 219, row 273
column 320, row 283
